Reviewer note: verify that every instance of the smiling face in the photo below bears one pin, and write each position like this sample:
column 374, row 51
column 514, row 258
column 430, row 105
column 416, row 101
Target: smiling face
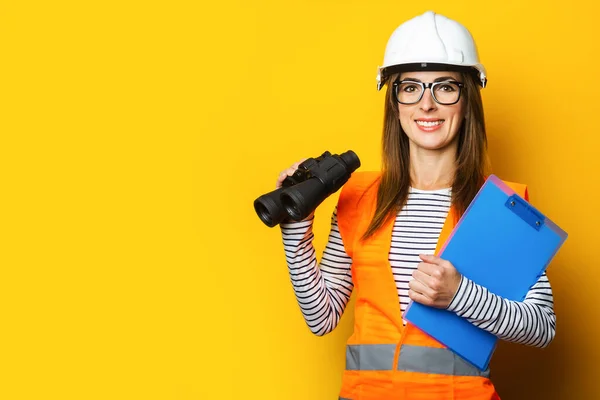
column 429, row 125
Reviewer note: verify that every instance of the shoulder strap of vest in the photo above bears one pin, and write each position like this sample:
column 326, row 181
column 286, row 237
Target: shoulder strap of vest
column 356, row 196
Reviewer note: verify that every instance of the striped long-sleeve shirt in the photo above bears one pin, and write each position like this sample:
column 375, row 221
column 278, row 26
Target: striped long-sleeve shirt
column 323, row 288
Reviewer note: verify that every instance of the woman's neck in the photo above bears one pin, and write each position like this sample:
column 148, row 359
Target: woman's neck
column 431, row 170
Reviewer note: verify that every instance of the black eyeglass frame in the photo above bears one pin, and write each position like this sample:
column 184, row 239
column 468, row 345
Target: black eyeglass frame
column 430, row 86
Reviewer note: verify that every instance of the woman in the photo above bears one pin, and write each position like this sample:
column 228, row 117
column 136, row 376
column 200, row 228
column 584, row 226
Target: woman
column 387, row 227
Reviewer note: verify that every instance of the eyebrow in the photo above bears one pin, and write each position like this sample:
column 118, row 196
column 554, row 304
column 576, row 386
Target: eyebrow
column 440, row 79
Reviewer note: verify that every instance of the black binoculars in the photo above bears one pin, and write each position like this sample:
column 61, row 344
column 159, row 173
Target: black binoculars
column 301, row 193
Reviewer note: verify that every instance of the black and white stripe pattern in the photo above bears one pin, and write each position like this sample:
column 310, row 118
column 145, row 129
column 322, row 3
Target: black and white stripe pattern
column 323, row 290
column 531, row 322
column 416, row 231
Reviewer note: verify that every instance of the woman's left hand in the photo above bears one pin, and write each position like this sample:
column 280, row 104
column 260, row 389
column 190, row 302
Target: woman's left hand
column 434, row 283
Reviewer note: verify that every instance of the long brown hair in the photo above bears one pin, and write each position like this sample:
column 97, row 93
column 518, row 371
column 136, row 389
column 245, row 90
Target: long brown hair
column 471, row 157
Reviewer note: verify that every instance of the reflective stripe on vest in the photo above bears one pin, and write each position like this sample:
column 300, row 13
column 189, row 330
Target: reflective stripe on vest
column 430, row 360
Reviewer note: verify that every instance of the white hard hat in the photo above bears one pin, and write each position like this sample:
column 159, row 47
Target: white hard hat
column 431, row 42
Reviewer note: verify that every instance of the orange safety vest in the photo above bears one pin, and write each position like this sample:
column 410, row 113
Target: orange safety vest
column 386, row 360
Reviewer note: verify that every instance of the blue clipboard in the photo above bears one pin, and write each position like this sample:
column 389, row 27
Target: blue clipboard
column 502, row 243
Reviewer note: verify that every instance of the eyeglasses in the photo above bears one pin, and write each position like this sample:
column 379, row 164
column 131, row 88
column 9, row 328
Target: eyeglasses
column 411, row 92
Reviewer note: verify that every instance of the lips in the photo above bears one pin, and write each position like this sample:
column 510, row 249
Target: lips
column 429, row 123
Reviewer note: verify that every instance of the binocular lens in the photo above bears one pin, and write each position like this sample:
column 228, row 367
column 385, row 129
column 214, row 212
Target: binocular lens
column 264, row 214
column 269, row 209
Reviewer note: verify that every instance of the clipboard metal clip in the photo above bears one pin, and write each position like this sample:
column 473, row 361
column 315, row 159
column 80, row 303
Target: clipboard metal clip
column 525, row 211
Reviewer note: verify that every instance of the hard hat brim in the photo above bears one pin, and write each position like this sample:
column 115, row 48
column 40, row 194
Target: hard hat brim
column 477, row 71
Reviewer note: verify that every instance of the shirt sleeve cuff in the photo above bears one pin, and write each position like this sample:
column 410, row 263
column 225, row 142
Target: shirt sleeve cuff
column 460, row 294
column 295, row 225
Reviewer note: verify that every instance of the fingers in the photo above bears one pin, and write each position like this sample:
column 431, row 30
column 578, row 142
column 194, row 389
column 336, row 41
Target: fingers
column 425, row 279
column 288, row 172
column 427, row 268
column 419, row 298
column 296, row 164
column 284, row 174
column 431, row 259
column 436, row 262
column 435, row 282
column 421, row 289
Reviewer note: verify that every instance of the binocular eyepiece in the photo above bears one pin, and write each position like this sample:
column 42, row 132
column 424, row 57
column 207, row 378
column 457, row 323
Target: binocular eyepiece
column 301, row 193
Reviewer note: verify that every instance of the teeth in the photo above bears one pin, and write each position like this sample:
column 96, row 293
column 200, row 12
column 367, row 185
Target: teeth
column 433, row 123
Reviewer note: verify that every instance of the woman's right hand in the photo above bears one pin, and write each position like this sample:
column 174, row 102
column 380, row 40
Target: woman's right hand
column 287, row 172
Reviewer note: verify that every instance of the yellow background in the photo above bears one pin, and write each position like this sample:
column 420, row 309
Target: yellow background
column 136, row 135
